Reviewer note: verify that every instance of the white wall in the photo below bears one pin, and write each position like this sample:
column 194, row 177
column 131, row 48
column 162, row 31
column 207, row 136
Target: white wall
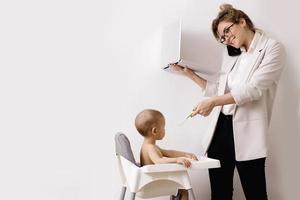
column 75, row 72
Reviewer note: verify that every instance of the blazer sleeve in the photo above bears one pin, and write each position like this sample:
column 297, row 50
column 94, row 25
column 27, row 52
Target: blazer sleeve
column 267, row 74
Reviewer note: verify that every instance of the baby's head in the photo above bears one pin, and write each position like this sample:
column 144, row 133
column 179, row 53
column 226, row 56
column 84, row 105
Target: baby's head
column 150, row 123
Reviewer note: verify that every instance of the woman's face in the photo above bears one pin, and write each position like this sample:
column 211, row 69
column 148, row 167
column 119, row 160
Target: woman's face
column 232, row 34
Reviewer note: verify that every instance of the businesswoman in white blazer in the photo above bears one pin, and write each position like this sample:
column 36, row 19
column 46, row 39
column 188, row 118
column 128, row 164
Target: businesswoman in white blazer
column 241, row 103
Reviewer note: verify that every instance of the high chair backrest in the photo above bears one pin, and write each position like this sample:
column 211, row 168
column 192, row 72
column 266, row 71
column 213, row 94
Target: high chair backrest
column 123, row 147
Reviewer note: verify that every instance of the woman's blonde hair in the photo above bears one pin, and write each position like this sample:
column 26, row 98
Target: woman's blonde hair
column 229, row 14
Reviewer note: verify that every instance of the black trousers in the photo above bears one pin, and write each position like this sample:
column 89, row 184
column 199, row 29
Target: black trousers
column 251, row 173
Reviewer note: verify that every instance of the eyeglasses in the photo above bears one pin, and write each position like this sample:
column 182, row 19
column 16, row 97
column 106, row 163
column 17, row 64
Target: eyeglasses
column 226, row 33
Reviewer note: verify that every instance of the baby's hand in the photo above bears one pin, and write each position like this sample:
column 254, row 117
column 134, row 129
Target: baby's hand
column 185, row 162
column 191, row 156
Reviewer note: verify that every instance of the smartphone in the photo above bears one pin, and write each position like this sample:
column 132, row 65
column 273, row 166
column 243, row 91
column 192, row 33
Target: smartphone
column 232, row 51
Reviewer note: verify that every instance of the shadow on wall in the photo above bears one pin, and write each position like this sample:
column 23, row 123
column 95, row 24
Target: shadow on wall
column 283, row 161
column 202, row 49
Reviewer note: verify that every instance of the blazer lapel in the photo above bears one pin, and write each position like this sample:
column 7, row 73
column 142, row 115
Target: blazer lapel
column 252, row 65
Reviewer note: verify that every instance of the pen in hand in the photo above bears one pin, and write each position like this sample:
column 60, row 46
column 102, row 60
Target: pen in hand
column 189, row 116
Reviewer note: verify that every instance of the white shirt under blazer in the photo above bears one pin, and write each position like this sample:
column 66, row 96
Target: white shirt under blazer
column 254, row 96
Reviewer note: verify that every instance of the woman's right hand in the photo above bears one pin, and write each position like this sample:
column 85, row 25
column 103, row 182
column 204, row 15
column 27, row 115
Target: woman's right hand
column 182, row 70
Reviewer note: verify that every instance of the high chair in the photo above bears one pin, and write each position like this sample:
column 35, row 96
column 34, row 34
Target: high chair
column 156, row 180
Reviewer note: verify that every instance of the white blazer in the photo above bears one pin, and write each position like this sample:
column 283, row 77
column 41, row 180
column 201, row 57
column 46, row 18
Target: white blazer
column 254, row 98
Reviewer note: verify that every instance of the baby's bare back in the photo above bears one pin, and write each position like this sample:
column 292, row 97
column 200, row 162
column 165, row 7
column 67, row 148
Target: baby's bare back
column 144, row 154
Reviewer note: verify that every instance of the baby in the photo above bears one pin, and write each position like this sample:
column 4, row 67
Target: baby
column 151, row 125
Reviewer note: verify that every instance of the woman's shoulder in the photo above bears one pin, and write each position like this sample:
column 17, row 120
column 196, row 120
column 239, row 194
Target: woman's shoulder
column 275, row 46
column 274, row 49
column 271, row 41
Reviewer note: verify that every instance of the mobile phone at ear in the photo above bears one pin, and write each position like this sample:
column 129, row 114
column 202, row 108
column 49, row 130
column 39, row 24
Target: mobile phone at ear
column 232, row 51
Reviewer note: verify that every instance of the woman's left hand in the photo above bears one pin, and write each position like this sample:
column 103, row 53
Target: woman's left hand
column 204, row 108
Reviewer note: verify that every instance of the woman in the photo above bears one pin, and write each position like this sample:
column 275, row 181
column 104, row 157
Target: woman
column 242, row 100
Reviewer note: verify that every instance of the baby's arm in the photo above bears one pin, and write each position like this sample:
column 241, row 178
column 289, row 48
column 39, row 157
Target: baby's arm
column 157, row 157
column 174, row 153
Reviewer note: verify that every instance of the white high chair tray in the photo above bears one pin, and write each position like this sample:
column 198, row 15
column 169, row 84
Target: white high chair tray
column 202, row 163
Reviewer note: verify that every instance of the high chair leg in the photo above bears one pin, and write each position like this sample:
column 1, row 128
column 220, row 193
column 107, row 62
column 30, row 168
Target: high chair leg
column 132, row 196
column 123, row 192
column 191, row 194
